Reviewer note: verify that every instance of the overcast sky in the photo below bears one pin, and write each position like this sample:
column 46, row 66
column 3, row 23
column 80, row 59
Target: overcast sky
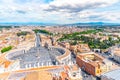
column 60, row 11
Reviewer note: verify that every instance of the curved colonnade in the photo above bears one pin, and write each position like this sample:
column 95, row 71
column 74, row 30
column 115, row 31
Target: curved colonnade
column 62, row 57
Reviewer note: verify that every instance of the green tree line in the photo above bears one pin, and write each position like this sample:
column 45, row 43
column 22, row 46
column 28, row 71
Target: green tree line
column 5, row 49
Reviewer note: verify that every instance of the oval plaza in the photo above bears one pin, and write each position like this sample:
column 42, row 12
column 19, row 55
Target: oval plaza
column 41, row 56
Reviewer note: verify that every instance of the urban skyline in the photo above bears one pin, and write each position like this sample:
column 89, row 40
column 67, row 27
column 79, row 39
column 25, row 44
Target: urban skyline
column 59, row 40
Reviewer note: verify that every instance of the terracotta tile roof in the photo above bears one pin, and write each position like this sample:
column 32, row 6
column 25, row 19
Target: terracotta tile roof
column 40, row 69
column 63, row 75
column 7, row 63
column 4, row 76
column 40, row 75
column 74, row 68
column 31, row 74
column 66, row 68
column 2, row 58
column 3, row 61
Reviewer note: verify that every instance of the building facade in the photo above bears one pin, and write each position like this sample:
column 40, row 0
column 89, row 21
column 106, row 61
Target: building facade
column 93, row 63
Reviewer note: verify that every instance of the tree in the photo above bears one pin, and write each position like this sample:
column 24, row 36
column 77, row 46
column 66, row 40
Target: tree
column 22, row 33
column 6, row 49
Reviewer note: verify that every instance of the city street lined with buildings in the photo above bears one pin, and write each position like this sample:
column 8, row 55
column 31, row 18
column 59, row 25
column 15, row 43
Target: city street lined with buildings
column 57, row 56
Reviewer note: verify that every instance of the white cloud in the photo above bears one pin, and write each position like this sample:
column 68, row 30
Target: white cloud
column 90, row 16
column 78, row 5
column 59, row 11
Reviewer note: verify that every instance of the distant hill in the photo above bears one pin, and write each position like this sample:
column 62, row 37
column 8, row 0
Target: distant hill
column 53, row 24
column 26, row 24
column 94, row 24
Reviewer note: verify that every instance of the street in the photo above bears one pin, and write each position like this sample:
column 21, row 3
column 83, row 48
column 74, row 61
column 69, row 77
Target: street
column 87, row 76
column 106, row 56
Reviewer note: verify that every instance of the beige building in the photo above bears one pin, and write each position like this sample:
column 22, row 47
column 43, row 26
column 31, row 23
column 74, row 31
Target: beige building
column 45, row 73
column 81, row 48
column 74, row 73
column 93, row 63
column 116, row 53
column 6, row 65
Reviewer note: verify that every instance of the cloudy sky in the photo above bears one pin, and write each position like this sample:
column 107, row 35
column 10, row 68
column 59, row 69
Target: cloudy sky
column 60, row 11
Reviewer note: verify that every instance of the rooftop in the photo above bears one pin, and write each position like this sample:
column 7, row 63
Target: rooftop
column 4, row 62
column 116, row 51
column 114, row 74
column 92, row 58
column 42, row 73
